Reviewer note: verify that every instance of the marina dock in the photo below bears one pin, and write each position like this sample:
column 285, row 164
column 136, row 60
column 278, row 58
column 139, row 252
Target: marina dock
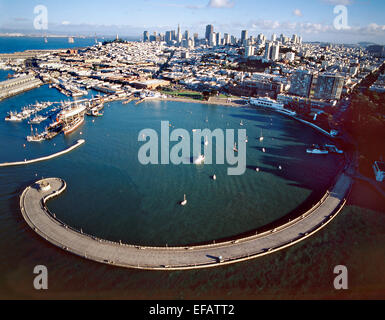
column 48, row 226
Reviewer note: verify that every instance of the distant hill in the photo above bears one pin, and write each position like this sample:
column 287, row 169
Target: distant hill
column 367, row 44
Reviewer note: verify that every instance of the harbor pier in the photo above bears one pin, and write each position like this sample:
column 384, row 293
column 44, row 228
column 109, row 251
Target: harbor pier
column 35, row 212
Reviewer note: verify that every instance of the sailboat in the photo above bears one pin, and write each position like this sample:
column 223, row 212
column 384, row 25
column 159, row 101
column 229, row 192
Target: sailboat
column 184, row 202
column 261, row 137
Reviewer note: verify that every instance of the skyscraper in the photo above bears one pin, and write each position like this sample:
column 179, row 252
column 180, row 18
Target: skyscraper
column 146, row 36
column 218, row 39
column 244, row 36
column 212, row 39
column 275, row 52
column 329, row 86
column 179, row 35
column 301, row 83
column 267, row 51
column 209, row 31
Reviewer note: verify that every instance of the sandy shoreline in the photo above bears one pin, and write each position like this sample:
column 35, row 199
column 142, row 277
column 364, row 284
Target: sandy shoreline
column 212, row 101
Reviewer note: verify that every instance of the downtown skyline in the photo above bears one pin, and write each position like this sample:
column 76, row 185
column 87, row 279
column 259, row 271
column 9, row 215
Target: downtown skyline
column 313, row 19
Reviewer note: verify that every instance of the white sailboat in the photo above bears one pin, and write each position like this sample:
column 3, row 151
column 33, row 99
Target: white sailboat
column 184, row 202
column 261, row 138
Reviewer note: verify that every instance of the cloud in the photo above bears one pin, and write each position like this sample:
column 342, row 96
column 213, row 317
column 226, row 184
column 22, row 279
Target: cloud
column 65, row 23
column 220, row 4
column 297, row 13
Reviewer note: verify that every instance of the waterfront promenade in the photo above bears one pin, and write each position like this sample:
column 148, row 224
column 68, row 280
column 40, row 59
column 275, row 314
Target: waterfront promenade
column 42, row 221
column 58, row 154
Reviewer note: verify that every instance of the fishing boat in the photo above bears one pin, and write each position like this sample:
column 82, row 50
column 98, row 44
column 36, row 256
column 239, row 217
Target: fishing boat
column 14, row 117
column 36, row 137
column 37, row 120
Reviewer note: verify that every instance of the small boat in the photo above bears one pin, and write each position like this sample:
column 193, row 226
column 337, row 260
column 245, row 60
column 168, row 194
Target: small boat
column 257, row 169
column 214, row 177
column 263, row 150
column 184, row 202
column 199, row 160
column 206, row 141
column 241, row 124
column 37, row 120
column 235, row 147
column 13, row 117
column 261, row 138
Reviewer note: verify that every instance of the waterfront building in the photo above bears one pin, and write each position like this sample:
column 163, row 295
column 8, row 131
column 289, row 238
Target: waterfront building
column 273, row 37
column 17, row 85
column 301, row 83
column 329, row 86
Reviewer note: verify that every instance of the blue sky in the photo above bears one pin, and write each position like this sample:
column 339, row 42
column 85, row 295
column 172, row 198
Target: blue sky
column 313, row 19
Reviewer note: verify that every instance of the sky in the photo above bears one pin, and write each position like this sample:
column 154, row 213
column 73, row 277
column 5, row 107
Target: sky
column 314, row 20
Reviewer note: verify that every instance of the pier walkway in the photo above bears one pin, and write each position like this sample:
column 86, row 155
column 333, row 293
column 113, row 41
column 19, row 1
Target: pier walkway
column 42, row 221
column 58, row 154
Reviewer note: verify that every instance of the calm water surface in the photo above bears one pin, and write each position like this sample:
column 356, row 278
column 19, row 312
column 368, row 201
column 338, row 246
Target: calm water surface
column 111, row 195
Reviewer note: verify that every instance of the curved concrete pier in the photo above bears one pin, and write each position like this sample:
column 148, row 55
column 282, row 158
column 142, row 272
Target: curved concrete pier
column 58, row 154
column 33, row 207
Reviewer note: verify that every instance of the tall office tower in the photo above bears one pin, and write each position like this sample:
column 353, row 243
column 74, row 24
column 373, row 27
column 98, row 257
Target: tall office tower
column 186, row 35
column 282, row 38
column 244, row 36
column 218, row 39
column 173, row 35
column 146, row 36
column 168, row 37
column 209, row 31
column 301, row 83
column 273, row 37
column 212, row 40
column 249, row 51
column 196, row 36
column 267, row 51
column 226, row 39
column 179, row 35
column 294, row 39
column 329, row 86
column 233, row 40
column 300, row 40
column 275, row 52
